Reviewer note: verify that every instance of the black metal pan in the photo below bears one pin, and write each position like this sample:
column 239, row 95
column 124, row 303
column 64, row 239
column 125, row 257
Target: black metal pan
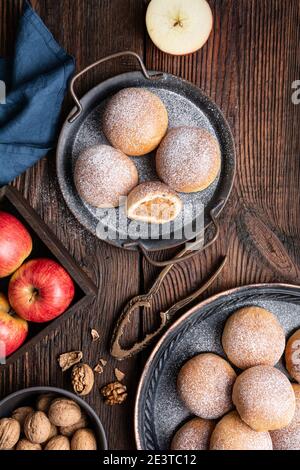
column 187, row 105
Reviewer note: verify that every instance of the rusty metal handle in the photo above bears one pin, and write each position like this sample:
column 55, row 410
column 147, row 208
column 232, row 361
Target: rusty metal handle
column 79, row 110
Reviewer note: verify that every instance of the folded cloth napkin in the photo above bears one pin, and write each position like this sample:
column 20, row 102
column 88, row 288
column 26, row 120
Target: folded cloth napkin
column 36, row 79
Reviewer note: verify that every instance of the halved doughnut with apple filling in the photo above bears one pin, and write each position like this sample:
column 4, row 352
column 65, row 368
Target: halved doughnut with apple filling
column 153, row 202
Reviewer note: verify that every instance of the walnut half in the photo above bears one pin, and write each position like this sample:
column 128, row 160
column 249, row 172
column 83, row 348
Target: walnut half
column 114, row 393
column 82, row 379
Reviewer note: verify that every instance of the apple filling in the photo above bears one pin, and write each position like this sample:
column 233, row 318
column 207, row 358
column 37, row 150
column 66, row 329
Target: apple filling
column 157, row 208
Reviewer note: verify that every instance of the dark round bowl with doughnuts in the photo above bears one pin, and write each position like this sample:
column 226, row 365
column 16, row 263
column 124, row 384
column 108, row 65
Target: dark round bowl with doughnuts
column 165, row 404
column 187, row 105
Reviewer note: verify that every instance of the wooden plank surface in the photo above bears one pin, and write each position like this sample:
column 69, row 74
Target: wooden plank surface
column 247, row 67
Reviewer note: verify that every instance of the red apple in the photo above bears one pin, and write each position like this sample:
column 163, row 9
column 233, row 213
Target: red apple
column 13, row 329
column 15, row 244
column 40, row 290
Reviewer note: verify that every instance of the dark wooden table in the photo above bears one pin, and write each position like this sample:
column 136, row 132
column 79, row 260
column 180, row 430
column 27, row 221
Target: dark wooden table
column 247, row 67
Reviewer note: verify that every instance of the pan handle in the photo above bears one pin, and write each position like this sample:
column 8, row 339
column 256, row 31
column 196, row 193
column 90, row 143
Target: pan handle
column 77, row 113
column 191, row 249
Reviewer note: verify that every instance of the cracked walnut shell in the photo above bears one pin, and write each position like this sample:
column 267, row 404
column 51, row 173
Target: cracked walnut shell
column 64, row 412
column 114, row 393
column 37, row 427
column 10, row 430
column 69, row 359
column 82, row 379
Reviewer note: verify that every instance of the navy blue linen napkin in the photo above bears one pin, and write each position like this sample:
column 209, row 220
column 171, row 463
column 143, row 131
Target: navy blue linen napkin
column 36, row 80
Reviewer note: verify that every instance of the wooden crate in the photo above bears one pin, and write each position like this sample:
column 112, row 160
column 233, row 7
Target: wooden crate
column 45, row 245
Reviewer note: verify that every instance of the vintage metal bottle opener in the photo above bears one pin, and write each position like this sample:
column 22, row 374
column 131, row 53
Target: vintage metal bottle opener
column 166, row 317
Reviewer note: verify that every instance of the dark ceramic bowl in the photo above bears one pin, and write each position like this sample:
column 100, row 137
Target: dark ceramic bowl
column 27, row 396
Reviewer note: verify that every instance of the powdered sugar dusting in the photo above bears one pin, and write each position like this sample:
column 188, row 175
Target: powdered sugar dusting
column 193, row 435
column 205, row 384
column 188, row 159
column 182, row 112
column 103, row 175
column 169, row 411
column 134, row 120
column 253, row 336
column 232, row 433
column 264, row 398
column 289, row 438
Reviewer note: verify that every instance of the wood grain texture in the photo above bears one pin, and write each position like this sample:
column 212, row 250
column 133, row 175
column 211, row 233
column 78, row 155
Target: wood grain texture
column 89, row 30
column 247, row 67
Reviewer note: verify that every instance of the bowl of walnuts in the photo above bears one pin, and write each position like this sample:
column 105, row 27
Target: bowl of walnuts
column 48, row 418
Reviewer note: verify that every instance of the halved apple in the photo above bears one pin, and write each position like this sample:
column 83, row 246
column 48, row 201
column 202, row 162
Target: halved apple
column 179, row 27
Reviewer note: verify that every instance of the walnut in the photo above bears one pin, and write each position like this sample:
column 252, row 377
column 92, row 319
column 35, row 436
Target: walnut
column 24, row 444
column 21, row 413
column 10, row 430
column 115, row 393
column 82, row 379
column 53, row 432
column 64, row 412
column 69, row 359
column 69, row 430
column 84, row 439
column 58, row 443
column 43, row 402
column 37, row 427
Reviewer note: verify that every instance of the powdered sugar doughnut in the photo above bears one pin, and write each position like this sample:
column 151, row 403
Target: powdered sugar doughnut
column 193, row 435
column 135, row 121
column 264, row 398
column 205, row 385
column 103, row 174
column 289, row 438
column 188, row 159
column 231, row 433
column 253, row 336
